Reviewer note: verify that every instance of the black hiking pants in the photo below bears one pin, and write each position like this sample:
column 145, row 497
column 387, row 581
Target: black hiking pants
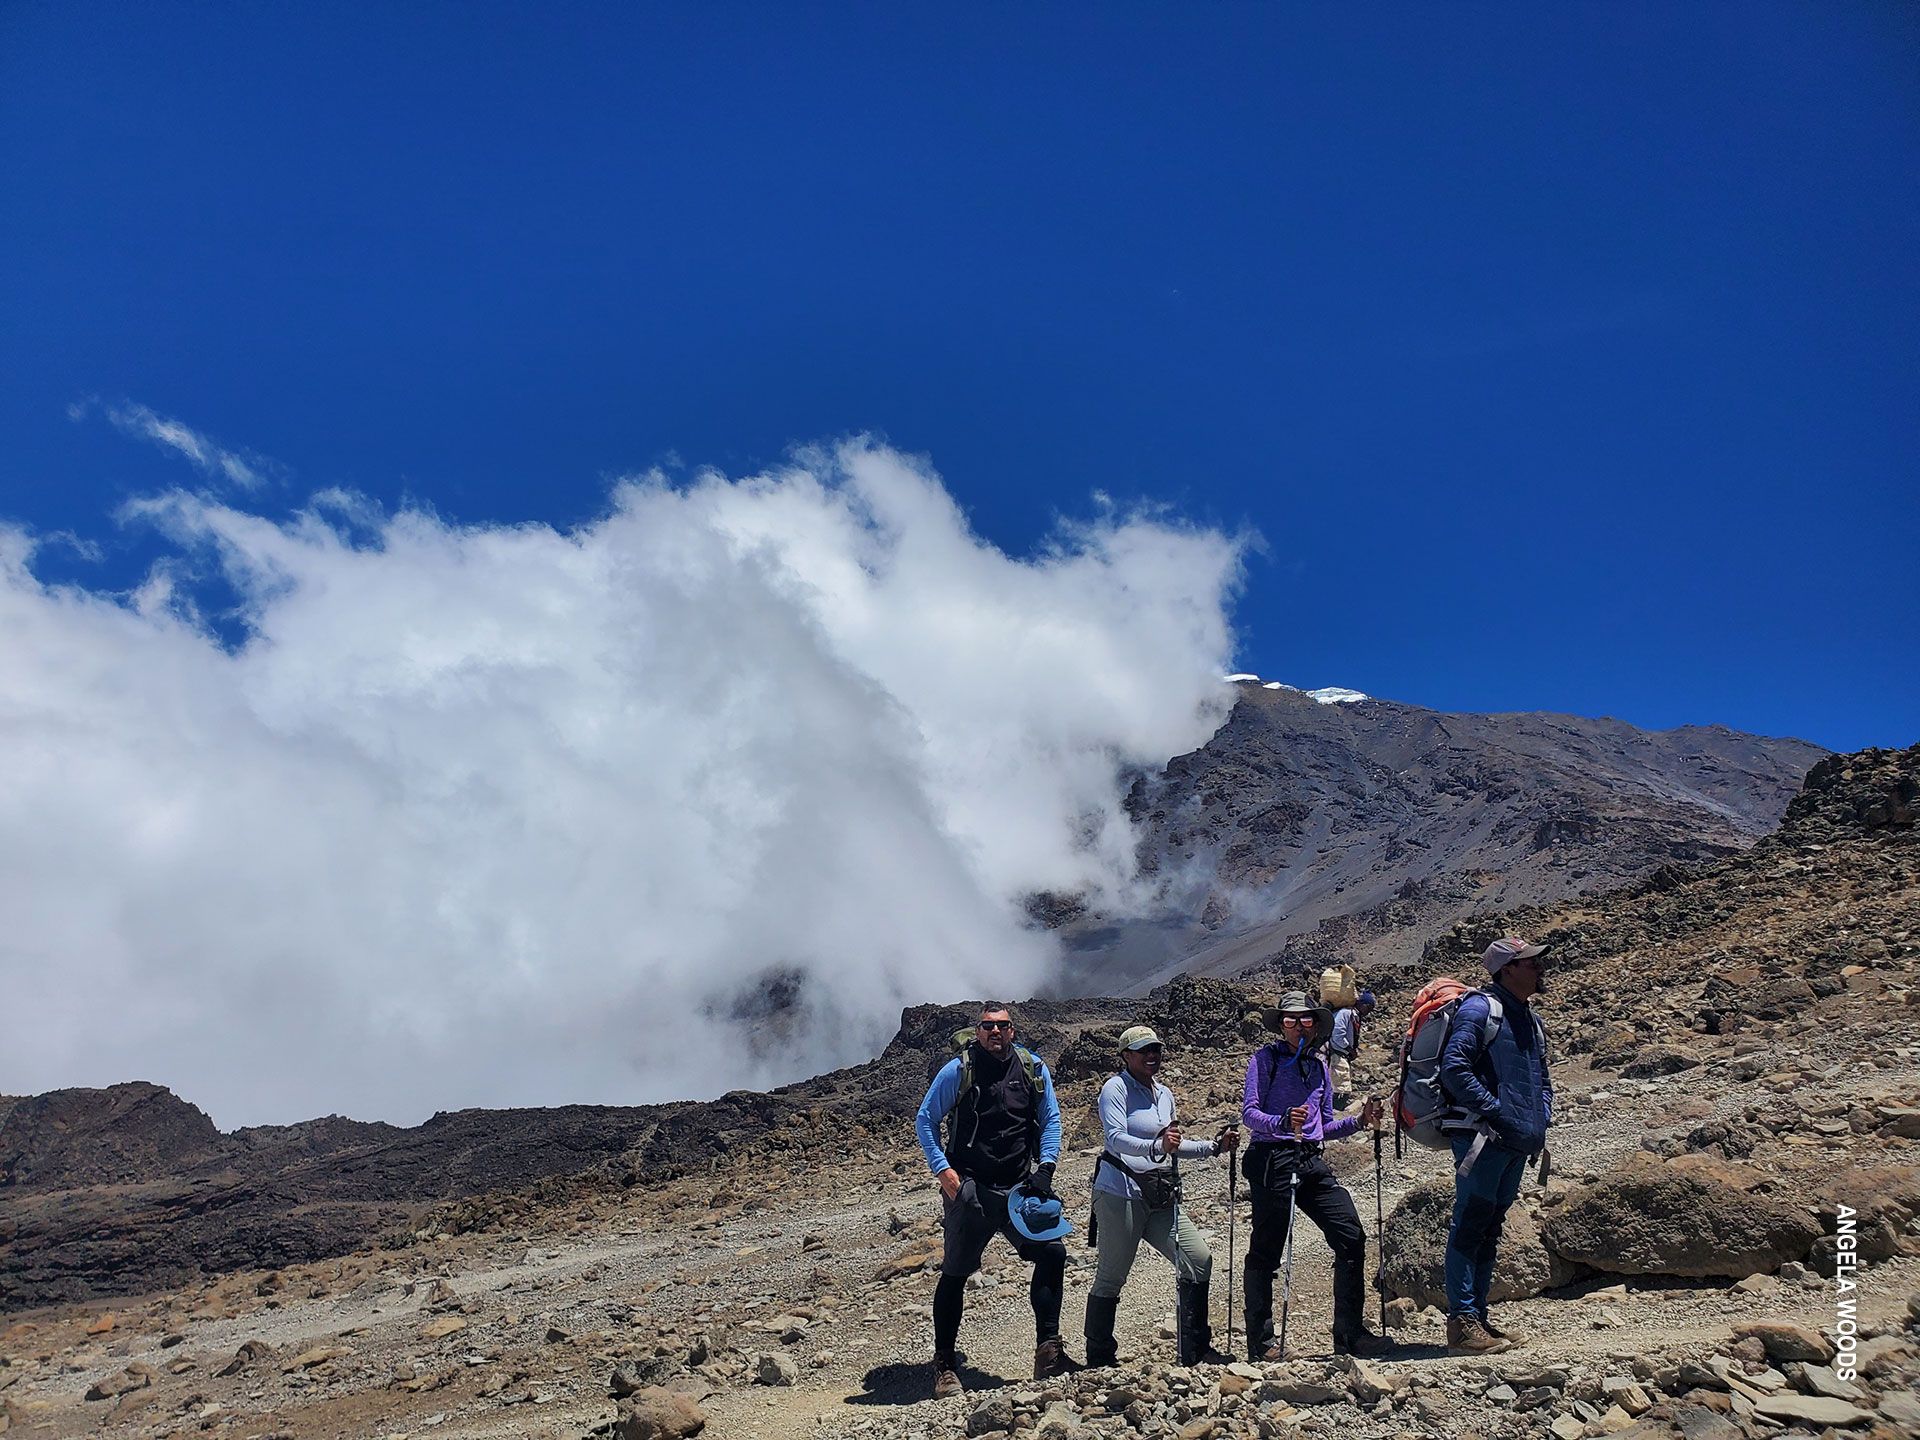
column 1323, row 1200
column 968, row 1223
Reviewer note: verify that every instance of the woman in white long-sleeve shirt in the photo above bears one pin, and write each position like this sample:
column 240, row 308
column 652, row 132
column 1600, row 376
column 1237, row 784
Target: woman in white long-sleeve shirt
column 1134, row 1199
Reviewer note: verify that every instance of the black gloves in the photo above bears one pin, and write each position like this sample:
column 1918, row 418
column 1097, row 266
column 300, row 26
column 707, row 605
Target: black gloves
column 1040, row 1183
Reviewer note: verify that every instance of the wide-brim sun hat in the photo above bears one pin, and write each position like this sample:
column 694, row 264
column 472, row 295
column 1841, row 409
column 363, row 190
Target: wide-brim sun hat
column 1293, row 1002
column 1035, row 1218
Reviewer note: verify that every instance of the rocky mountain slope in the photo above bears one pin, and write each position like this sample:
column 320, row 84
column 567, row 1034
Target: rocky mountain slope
column 1738, row 1067
column 1298, row 811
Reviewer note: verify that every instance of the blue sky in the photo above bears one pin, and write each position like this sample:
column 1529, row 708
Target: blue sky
column 1562, row 357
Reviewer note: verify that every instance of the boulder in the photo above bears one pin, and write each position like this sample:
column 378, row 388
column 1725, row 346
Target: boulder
column 1413, row 1252
column 1094, row 1051
column 991, row 1416
column 1368, row 1385
column 249, row 1352
column 1702, row 1422
column 1304, row 1385
column 134, row 1377
column 1692, row 1215
column 1822, row 1380
column 1659, row 1060
column 1784, row 1340
column 1057, row 1423
column 1818, row 1411
column 775, row 1370
column 1902, row 1408
column 657, row 1414
column 316, row 1357
column 1198, row 1012
column 1614, row 1044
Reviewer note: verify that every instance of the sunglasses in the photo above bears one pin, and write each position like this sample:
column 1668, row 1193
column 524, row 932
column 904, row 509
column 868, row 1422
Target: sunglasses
column 994, row 1025
column 1293, row 1020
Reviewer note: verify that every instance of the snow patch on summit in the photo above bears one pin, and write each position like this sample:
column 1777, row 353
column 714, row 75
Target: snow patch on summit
column 1326, row 695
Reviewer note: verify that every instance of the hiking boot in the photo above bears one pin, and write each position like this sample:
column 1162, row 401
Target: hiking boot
column 1467, row 1336
column 1513, row 1338
column 1273, row 1355
column 1190, row 1320
column 946, row 1378
column 1102, row 1350
column 1363, row 1342
column 1050, row 1358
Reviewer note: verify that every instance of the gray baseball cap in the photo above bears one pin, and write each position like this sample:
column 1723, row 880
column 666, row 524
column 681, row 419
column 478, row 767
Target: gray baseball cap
column 1506, row 950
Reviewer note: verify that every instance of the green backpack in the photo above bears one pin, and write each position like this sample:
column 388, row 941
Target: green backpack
column 962, row 1042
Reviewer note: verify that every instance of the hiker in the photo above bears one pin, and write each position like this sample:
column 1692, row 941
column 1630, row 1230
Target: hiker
column 1003, row 1140
column 1288, row 1111
column 1136, row 1196
column 1497, row 1076
column 1344, row 1046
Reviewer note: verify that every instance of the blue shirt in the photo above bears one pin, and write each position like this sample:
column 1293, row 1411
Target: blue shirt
column 945, row 1090
column 1131, row 1118
column 1346, row 1033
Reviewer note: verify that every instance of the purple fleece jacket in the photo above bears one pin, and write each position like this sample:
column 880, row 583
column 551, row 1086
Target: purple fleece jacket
column 1276, row 1073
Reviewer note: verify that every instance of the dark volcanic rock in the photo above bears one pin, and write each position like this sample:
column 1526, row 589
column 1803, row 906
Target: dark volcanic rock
column 1413, row 1252
column 1659, row 1060
column 129, row 1132
column 1401, row 820
column 1868, row 790
column 1690, row 1216
column 117, row 1191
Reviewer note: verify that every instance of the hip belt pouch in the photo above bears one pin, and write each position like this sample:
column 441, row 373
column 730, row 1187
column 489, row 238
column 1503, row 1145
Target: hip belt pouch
column 1159, row 1187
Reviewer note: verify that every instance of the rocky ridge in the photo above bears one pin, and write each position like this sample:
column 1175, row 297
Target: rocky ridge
column 1296, row 813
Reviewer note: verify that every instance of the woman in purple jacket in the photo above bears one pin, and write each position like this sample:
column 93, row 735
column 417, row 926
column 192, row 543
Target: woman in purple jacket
column 1288, row 1111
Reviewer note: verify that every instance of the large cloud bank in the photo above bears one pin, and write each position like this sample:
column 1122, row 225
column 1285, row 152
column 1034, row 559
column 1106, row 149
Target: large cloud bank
column 492, row 816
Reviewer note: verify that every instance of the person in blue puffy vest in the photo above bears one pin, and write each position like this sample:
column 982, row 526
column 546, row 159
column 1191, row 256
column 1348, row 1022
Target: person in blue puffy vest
column 1494, row 1070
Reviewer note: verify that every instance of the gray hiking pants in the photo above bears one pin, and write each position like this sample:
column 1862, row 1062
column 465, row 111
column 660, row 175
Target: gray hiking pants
column 1125, row 1223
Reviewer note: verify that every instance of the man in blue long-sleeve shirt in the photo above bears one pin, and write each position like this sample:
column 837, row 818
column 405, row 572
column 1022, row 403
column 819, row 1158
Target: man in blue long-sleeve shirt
column 1288, row 1109
column 1494, row 1069
column 1003, row 1129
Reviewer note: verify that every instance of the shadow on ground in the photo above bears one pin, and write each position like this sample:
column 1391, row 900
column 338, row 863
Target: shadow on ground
column 900, row 1384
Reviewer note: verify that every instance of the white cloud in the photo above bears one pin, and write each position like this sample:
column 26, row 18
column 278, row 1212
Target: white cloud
column 499, row 815
column 247, row 470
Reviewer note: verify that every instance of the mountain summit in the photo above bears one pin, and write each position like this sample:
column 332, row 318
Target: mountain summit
column 1388, row 821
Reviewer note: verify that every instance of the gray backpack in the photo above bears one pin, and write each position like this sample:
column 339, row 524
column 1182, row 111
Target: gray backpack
column 1420, row 1103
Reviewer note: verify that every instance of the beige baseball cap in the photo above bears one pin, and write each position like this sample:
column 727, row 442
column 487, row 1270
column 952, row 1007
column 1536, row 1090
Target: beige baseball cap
column 1138, row 1037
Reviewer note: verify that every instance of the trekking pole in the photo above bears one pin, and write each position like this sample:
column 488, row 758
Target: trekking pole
column 1293, row 1192
column 1379, row 1225
column 1233, row 1204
